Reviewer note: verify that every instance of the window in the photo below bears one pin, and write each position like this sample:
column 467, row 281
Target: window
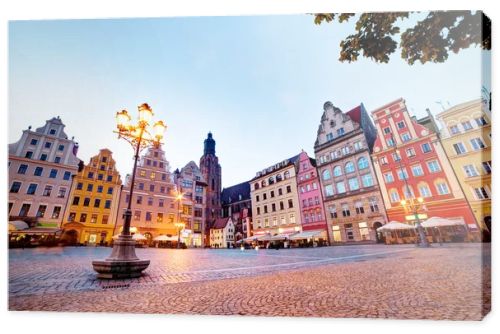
column 97, row 203
column 47, row 191
column 336, row 233
column 272, row 193
column 90, row 175
column 258, row 210
column 426, row 148
column 329, row 190
column 52, row 132
column 405, row 137
column 292, row 218
column 487, row 167
column 72, row 216
column 340, row 132
column 140, row 186
column 109, row 178
column 31, row 189
column 22, row 169
column 394, row 196
column 100, row 176
column 150, row 201
column 264, row 196
column 480, row 121
column 367, row 180
column 396, row 156
column 83, row 218
column 38, row 171
column 417, row 170
column 29, row 155
column 333, row 211
column 79, row 186
column 33, row 142
column 57, row 160
column 60, row 148
column 387, row 130
column 340, row 187
column 41, row 211
column 477, row 144
column 353, row 183
column 90, row 187
column 148, row 216
column 86, row 201
column 408, row 192
column 470, row 171
column 466, row 125
column 25, row 209
column 99, row 189
column 433, row 166
column 282, row 206
column 286, row 175
column 288, row 189
column 358, row 146
column 159, row 217
column 401, row 125
column 410, row 152
column 337, row 171
column 15, row 187
column 48, row 144
column 280, row 192
column 43, row 157
column 349, row 167
column 76, row 200
column 257, row 198
column 137, row 215
column 265, row 208
column 362, row 163
column 364, row 231
column 373, row 205
column 424, row 190
column 454, row 129
column 329, row 136
column 326, row 174
column 402, row 174
column 345, row 150
column 56, row 212
column 442, row 188
column 345, row 210
column 388, row 177
column 459, row 148
column 383, row 160
column 359, row 208
column 481, row 193
column 390, row 142
column 290, row 203
column 61, row 193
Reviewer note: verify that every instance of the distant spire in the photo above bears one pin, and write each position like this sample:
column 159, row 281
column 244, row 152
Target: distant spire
column 209, row 145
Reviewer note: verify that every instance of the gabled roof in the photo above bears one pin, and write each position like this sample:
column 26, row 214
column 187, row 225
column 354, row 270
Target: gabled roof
column 232, row 194
column 355, row 114
column 220, row 223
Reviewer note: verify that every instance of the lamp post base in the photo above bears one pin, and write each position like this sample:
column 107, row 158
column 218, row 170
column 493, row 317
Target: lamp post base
column 122, row 263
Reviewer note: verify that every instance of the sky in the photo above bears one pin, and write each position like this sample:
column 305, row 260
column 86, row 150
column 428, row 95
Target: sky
column 258, row 83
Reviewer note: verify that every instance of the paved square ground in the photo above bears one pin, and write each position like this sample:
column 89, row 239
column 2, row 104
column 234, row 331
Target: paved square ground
column 443, row 282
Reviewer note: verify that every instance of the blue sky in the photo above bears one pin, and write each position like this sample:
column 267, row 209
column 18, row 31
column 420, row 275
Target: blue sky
column 257, row 82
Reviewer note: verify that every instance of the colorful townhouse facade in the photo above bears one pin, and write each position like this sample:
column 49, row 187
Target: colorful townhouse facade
column 155, row 206
column 222, row 234
column 237, row 204
column 351, row 193
column 310, row 197
column 190, row 182
column 92, row 209
column 410, row 162
column 42, row 164
column 275, row 200
column 466, row 139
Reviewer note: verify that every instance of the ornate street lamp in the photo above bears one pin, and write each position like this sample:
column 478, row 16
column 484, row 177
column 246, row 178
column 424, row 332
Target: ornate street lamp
column 413, row 206
column 179, row 224
column 123, row 262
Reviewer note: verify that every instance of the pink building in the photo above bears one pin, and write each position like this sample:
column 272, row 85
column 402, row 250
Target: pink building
column 310, row 197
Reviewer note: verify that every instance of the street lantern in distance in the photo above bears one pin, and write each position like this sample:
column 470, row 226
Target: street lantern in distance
column 123, row 262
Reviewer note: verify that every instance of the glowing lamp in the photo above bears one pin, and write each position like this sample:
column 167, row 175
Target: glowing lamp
column 159, row 129
column 145, row 113
column 403, row 202
column 420, row 200
column 123, row 119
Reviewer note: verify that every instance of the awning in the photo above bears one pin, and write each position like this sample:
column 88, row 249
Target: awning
column 18, row 225
column 305, row 235
column 38, row 230
column 165, row 238
column 250, row 239
column 438, row 221
column 282, row 236
column 394, row 225
column 265, row 237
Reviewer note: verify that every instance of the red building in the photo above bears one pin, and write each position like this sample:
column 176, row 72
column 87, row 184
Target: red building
column 310, row 197
column 410, row 162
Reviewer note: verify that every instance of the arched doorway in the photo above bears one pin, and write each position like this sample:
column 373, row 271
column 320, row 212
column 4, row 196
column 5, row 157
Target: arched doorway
column 70, row 237
column 149, row 238
column 379, row 236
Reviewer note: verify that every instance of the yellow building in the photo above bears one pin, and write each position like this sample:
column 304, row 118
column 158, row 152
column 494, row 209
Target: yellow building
column 90, row 214
column 466, row 137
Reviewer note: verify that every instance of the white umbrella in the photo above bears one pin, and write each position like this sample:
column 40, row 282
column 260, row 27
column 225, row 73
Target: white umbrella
column 394, row 225
column 139, row 236
column 438, row 222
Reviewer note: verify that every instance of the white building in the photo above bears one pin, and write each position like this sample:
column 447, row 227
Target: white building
column 41, row 166
column 222, row 233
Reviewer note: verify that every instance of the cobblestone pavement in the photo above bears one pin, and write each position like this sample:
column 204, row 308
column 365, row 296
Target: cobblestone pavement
column 406, row 282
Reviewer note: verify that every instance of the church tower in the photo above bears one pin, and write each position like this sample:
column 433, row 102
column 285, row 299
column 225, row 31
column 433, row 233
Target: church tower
column 211, row 171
